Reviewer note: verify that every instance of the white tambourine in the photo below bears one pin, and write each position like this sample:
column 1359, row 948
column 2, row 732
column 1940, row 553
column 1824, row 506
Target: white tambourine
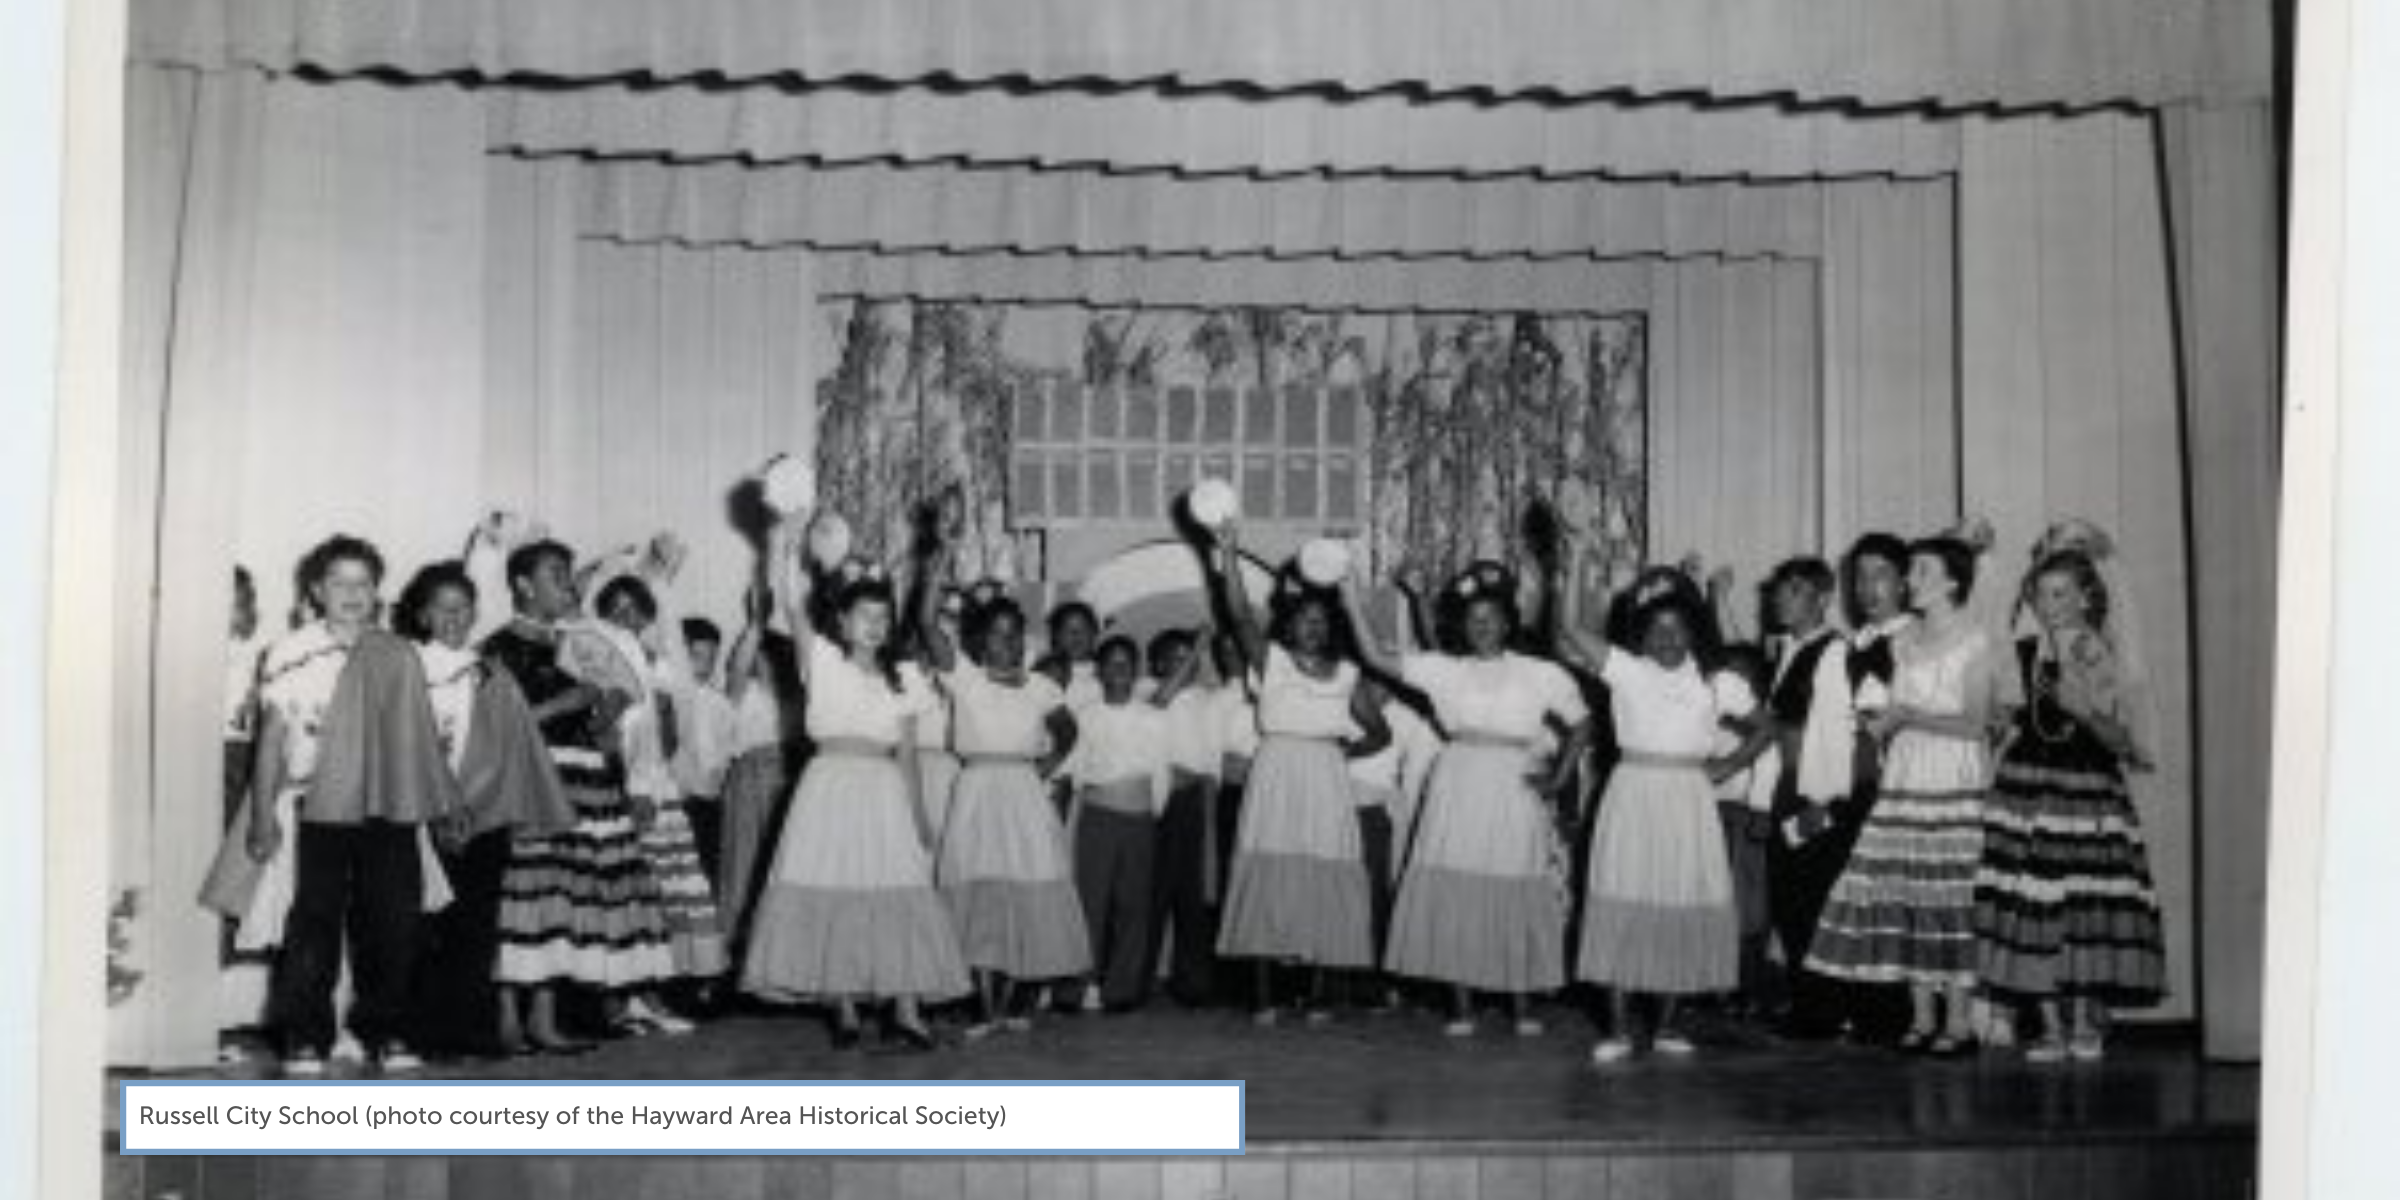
column 829, row 541
column 1213, row 503
column 787, row 484
column 1325, row 562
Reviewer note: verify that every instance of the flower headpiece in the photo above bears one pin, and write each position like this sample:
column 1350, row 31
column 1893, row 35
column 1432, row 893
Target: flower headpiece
column 859, row 569
column 985, row 592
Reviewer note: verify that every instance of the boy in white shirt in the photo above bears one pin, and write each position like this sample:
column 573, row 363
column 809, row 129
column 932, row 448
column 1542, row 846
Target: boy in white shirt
column 1186, row 875
column 1121, row 769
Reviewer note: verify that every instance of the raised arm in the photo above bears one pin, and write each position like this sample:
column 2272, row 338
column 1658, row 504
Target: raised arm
column 486, row 560
column 1181, row 677
column 1366, row 712
column 788, row 577
column 1721, row 602
column 1577, row 642
column 1225, row 576
column 1371, row 649
column 940, row 649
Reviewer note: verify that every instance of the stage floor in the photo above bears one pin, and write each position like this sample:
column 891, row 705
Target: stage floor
column 1394, row 1079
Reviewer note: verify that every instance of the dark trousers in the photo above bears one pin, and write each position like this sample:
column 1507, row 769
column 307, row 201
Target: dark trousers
column 707, row 815
column 1114, row 854
column 363, row 883
column 458, row 1000
column 1180, row 895
column 1375, row 847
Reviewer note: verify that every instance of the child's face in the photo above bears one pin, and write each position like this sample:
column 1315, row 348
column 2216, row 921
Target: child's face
column 450, row 614
column 1003, row 645
column 1169, row 658
column 1880, row 589
column 548, row 593
column 1667, row 640
column 626, row 613
column 346, row 594
column 2059, row 602
column 1487, row 627
column 1928, row 583
column 1798, row 605
column 867, row 626
column 1118, row 670
column 1076, row 634
column 703, row 653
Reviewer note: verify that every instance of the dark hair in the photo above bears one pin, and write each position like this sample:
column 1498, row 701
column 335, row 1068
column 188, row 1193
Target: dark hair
column 525, row 561
column 976, row 623
column 868, row 589
column 1295, row 594
column 341, row 547
column 626, row 587
column 1807, row 570
column 1483, row 582
column 1629, row 614
column 1071, row 609
column 1957, row 559
column 408, row 619
column 1884, row 546
column 2078, row 566
column 1117, row 643
column 1167, row 642
column 701, row 629
column 241, row 579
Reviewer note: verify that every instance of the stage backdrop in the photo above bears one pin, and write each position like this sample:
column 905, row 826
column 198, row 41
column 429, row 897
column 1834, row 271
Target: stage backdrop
column 1072, row 431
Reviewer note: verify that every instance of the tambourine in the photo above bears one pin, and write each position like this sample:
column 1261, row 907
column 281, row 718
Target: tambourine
column 787, row 484
column 1325, row 562
column 829, row 541
column 1213, row 503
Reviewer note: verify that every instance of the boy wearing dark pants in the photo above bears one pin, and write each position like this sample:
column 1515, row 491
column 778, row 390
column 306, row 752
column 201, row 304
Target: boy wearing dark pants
column 1183, row 901
column 1120, row 768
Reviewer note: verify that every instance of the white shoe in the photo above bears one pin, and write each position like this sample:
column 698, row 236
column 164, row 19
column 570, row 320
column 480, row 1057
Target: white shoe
column 1529, row 1028
column 346, row 1049
column 304, row 1065
column 1612, row 1050
column 1091, row 998
column 979, row 1031
column 398, row 1059
column 1320, row 1016
column 1018, row 1024
column 1464, row 1027
column 658, row 1018
column 1265, row 1018
column 1672, row 1043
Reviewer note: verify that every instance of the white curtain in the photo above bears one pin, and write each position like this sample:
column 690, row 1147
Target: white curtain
column 2070, row 407
column 880, row 206
column 1153, row 128
column 1736, row 446
column 1960, row 53
column 2221, row 173
column 1891, row 309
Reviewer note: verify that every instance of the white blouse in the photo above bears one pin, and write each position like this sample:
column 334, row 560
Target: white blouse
column 990, row 717
column 1119, row 743
column 1507, row 698
column 1293, row 703
column 851, row 703
column 450, row 685
column 296, row 680
column 1671, row 713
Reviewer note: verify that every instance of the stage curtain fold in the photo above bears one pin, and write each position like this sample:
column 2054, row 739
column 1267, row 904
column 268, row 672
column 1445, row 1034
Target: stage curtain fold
column 888, row 207
column 1890, row 318
column 2070, row 407
column 2221, row 169
column 1155, row 129
column 1949, row 53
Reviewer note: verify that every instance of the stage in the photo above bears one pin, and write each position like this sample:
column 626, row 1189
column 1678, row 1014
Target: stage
column 1384, row 1106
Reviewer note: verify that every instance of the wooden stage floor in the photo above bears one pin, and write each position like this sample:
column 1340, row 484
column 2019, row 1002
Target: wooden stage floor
column 1389, row 1093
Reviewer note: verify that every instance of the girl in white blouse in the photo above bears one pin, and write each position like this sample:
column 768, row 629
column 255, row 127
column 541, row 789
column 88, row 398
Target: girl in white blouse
column 1299, row 890
column 1659, row 918
column 1484, row 902
column 849, row 911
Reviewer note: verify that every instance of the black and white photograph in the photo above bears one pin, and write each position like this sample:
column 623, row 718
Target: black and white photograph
column 1596, row 598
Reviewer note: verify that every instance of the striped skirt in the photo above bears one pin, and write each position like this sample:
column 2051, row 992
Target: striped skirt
column 584, row 906
column 1904, row 910
column 2064, row 905
column 695, row 934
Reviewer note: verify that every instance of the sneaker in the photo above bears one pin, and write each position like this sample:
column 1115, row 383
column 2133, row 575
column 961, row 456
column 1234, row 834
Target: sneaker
column 348, row 1050
column 1612, row 1050
column 1673, row 1043
column 2086, row 1048
column 1091, row 998
column 398, row 1058
column 1464, row 1027
column 2046, row 1052
column 658, row 1018
column 1529, row 1028
column 304, row 1064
